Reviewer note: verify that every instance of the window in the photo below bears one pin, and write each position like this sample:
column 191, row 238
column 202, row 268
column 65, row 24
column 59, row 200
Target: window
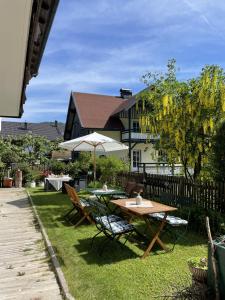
column 136, row 158
column 136, row 127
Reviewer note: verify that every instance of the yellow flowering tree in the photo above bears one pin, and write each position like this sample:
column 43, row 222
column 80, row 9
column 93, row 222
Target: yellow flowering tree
column 184, row 114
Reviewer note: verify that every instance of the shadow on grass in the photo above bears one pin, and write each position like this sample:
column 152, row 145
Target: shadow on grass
column 53, row 206
column 186, row 237
column 113, row 251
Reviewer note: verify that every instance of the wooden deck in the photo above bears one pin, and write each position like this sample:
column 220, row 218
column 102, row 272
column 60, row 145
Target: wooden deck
column 25, row 269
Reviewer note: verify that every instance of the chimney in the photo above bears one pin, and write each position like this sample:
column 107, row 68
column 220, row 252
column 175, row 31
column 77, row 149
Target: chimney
column 125, row 93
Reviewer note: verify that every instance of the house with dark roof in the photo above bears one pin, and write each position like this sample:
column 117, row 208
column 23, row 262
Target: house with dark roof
column 113, row 116
column 50, row 130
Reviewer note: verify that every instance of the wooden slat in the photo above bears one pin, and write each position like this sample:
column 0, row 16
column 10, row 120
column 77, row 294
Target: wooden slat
column 208, row 195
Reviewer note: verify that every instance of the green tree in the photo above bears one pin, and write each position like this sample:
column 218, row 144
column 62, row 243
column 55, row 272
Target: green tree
column 184, row 114
column 217, row 161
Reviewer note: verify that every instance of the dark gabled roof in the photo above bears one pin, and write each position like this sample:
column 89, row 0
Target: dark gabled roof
column 126, row 105
column 45, row 129
column 95, row 110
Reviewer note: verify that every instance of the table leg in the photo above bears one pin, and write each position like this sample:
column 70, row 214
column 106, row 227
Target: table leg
column 156, row 236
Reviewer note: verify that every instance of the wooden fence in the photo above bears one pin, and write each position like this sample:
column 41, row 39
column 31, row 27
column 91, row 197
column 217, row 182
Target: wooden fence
column 207, row 195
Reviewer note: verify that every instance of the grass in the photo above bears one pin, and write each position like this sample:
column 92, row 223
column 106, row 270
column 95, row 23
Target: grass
column 119, row 273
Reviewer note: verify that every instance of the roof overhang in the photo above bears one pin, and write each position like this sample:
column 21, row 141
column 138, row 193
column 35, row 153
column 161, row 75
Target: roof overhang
column 24, row 29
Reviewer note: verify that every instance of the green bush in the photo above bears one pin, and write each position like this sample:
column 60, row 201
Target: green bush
column 109, row 167
column 217, row 159
column 27, row 172
column 85, row 162
column 95, row 184
column 197, row 219
column 57, row 167
column 73, row 169
column 198, row 262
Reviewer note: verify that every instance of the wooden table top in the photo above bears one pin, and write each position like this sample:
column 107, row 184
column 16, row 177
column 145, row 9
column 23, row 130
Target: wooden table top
column 141, row 211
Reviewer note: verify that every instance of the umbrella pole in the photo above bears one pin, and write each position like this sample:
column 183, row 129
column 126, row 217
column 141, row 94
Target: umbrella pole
column 94, row 163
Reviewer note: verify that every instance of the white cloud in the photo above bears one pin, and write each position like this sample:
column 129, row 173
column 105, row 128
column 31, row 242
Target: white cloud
column 100, row 46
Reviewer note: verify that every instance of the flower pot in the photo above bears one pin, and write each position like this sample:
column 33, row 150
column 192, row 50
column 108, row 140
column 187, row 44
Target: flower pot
column 7, row 182
column 41, row 184
column 198, row 274
column 33, row 184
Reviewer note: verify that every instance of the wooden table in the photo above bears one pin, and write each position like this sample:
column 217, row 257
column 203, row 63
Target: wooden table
column 143, row 213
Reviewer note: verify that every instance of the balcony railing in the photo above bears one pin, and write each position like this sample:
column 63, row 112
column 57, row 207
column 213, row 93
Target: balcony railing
column 160, row 168
column 138, row 136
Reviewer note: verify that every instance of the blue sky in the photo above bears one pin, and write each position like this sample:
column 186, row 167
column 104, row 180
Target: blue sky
column 100, row 46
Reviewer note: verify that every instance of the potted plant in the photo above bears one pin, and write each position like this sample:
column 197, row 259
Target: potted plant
column 40, row 180
column 198, row 267
column 30, row 182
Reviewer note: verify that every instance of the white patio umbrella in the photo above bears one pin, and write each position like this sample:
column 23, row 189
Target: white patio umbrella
column 93, row 142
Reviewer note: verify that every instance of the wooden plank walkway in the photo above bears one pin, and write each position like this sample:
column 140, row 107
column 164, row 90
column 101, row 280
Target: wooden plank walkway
column 25, row 269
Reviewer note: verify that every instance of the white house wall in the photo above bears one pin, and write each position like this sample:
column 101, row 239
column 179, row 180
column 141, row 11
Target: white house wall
column 116, row 136
column 148, row 153
column 14, row 29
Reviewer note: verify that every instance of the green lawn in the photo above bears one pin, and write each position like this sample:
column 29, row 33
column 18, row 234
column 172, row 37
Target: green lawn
column 119, row 273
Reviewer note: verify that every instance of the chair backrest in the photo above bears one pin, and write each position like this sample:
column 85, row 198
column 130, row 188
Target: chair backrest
column 72, row 194
column 183, row 204
column 99, row 213
column 168, row 199
column 139, row 188
column 129, row 187
column 184, row 201
column 67, row 187
column 98, row 209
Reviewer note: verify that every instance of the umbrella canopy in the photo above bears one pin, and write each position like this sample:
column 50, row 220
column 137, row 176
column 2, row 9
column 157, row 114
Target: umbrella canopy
column 93, row 142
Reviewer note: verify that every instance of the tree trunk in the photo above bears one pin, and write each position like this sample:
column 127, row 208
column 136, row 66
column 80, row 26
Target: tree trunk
column 198, row 167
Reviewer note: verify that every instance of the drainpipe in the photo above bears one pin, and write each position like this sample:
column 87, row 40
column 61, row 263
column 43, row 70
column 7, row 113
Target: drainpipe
column 129, row 135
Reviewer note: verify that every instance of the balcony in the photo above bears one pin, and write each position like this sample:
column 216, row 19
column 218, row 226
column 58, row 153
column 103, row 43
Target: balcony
column 138, row 136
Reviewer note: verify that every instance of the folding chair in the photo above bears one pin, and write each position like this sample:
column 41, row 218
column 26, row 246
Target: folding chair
column 138, row 189
column 173, row 223
column 130, row 186
column 111, row 225
column 80, row 205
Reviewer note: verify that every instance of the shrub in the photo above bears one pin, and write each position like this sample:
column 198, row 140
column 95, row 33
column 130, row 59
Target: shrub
column 57, row 167
column 109, row 167
column 73, row 169
column 85, row 162
column 27, row 173
column 198, row 262
column 217, row 162
column 95, row 184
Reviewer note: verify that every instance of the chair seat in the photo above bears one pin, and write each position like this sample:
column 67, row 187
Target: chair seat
column 92, row 197
column 115, row 224
column 109, row 218
column 84, row 203
column 116, row 197
column 171, row 220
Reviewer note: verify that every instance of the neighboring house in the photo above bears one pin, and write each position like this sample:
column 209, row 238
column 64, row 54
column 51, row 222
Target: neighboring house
column 25, row 26
column 116, row 117
column 53, row 131
column 50, row 130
